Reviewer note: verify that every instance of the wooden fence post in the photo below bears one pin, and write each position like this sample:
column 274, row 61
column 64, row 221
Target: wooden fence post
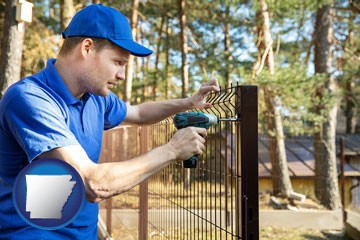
column 143, row 199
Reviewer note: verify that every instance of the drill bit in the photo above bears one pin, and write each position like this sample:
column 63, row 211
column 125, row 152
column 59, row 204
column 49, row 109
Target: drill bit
column 231, row 119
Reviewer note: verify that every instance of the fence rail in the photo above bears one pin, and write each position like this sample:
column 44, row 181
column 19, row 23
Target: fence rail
column 218, row 199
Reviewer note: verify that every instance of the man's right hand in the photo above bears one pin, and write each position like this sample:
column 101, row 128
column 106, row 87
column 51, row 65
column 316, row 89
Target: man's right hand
column 188, row 142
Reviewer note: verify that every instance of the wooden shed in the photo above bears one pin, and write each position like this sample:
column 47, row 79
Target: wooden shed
column 301, row 165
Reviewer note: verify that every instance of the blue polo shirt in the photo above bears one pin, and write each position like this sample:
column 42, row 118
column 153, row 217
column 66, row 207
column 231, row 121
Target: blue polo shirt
column 38, row 114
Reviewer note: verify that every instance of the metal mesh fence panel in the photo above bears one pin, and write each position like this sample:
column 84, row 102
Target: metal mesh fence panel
column 218, row 199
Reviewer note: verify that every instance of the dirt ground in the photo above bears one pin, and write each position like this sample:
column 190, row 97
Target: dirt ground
column 266, row 201
column 130, row 200
column 268, row 233
column 271, row 233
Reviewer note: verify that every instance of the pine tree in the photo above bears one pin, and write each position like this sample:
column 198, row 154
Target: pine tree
column 11, row 47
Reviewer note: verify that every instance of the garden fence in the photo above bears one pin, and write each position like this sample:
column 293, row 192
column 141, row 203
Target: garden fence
column 216, row 200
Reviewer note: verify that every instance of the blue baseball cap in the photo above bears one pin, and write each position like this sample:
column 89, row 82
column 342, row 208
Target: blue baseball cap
column 100, row 21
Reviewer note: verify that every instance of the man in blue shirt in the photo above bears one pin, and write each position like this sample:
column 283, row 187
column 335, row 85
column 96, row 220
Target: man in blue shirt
column 62, row 111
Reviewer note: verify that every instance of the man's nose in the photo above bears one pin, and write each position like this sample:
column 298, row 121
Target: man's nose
column 120, row 75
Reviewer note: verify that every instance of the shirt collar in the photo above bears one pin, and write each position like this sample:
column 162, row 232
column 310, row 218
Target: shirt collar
column 57, row 84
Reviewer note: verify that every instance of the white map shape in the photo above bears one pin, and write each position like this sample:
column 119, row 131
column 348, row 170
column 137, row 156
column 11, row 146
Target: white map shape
column 47, row 194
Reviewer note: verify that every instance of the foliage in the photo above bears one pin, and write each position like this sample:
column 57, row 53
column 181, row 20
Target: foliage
column 297, row 92
column 41, row 44
column 291, row 25
column 348, row 62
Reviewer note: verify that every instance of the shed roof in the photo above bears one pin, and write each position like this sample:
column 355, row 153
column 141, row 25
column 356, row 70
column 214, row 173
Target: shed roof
column 300, row 155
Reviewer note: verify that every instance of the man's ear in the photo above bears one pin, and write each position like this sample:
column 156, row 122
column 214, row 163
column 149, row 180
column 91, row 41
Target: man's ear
column 87, row 45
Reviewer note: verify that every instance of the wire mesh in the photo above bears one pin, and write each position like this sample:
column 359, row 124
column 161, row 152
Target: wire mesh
column 205, row 202
column 216, row 200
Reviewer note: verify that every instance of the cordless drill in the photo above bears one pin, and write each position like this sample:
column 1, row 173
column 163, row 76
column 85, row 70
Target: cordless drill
column 194, row 119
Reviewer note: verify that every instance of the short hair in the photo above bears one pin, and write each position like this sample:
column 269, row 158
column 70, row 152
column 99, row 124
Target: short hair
column 71, row 42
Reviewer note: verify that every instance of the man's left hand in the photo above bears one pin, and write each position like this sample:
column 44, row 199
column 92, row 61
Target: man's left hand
column 199, row 98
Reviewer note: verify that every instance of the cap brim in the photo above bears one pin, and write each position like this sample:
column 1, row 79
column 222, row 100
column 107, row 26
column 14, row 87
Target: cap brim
column 133, row 47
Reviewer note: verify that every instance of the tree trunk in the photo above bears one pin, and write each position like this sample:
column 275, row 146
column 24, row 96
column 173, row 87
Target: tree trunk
column 167, row 59
column 284, row 182
column 146, row 79
column 227, row 43
column 11, row 47
column 130, row 65
column 139, row 73
column 67, row 12
column 184, row 49
column 326, row 180
column 184, row 67
column 350, row 98
column 280, row 174
column 157, row 58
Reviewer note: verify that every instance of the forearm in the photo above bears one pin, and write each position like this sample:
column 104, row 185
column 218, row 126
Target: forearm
column 153, row 112
column 110, row 179
column 105, row 180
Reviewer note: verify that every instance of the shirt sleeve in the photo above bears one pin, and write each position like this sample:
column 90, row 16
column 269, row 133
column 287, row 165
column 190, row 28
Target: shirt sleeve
column 37, row 122
column 115, row 111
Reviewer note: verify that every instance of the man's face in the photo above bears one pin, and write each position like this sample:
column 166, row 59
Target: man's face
column 104, row 70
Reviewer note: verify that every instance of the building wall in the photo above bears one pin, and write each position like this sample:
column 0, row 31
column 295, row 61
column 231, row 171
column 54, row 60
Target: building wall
column 306, row 186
